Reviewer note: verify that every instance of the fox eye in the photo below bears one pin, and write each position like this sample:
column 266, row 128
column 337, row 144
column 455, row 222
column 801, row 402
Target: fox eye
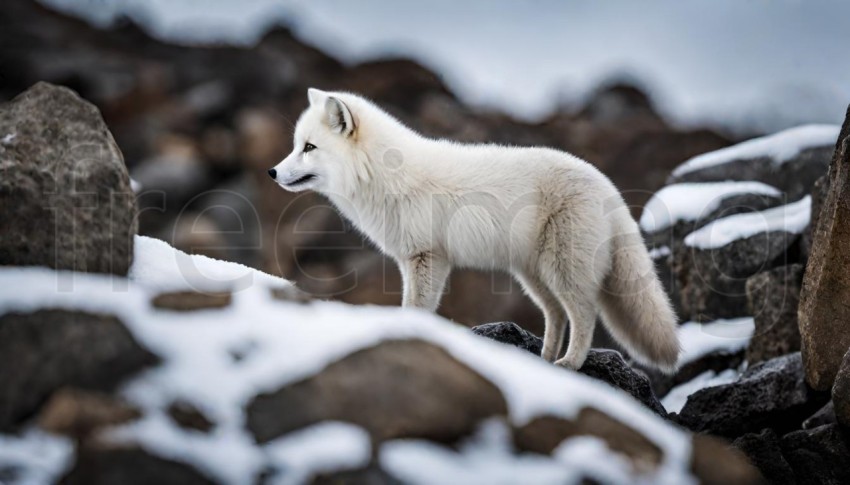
column 309, row 147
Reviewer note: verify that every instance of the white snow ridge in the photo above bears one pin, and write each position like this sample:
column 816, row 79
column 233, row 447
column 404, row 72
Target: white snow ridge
column 690, row 201
column 779, row 147
column 793, row 218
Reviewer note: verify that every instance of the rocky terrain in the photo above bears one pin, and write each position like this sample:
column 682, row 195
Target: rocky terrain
column 131, row 359
column 199, row 127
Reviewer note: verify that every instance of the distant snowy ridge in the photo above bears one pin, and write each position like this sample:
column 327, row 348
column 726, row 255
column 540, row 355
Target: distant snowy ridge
column 779, row 147
column 690, row 201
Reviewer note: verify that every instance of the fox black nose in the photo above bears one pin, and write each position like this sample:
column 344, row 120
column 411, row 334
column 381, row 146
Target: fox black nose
column 272, row 173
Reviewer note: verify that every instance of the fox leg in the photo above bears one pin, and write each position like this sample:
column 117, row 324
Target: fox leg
column 553, row 313
column 582, row 315
column 424, row 277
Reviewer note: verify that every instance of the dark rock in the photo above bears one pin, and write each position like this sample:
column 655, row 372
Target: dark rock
column 397, row 389
column 717, row 362
column 713, row 461
column 841, row 392
column 818, row 456
column 605, row 365
column 773, row 297
column 65, row 178
column 187, row 416
column 370, row 475
column 765, row 453
column 610, row 367
column 100, row 464
column 77, row 413
column 544, row 433
column 825, row 415
column 772, row 394
column 730, row 205
column 187, row 301
column 51, row 349
column 824, row 311
column 795, row 177
column 713, row 280
column 819, row 191
column 512, row 334
column 292, row 294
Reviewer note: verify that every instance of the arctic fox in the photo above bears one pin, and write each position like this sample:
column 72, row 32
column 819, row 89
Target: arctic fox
column 549, row 218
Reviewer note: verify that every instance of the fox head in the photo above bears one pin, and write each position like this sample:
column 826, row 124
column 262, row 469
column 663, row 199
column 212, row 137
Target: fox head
column 325, row 155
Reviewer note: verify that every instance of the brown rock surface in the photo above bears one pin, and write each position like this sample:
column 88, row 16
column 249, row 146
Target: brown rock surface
column 397, row 389
column 187, row 301
column 64, row 189
column 824, row 313
column 77, row 413
column 52, row 349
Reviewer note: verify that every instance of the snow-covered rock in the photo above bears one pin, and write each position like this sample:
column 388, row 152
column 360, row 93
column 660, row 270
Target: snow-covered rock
column 779, row 148
column 219, row 360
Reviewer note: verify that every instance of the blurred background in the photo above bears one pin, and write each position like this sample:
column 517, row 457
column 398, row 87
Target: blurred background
column 201, row 97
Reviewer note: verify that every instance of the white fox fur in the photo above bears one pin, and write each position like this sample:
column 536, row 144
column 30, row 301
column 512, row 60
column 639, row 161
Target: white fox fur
column 552, row 220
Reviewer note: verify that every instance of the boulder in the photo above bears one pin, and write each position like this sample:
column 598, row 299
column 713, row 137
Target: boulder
column 512, row 334
column 605, row 365
column 103, row 464
column 824, row 314
column 396, row 389
column 712, row 461
column 544, row 433
column 187, row 301
column 65, row 178
column 78, row 413
column 188, row 416
column 772, row 297
column 717, row 361
column 52, row 349
column 795, row 177
column 764, row 451
column 818, row 456
column 713, row 281
column 841, row 392
column 819, row 192
column 772, row 394
column 610, row 367
column 825, row 415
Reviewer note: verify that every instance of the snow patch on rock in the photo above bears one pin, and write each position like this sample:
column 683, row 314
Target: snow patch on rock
column 779, row 147
column 690, row 201
column 792, row 218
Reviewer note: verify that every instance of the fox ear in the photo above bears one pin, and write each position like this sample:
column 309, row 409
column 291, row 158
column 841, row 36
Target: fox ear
column 339, row 116
column 316, row 96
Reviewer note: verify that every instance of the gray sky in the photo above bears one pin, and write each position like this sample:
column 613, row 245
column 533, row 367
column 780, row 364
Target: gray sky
column 763, row 64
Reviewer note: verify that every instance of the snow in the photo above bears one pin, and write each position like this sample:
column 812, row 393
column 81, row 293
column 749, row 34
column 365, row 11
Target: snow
column 659, row 252
column 792, row 218
column 779, row 147
column 35, row 457
column 322, row 448
column 287, row 342
column 699, row 339
column 135, row 186
column 160, row 267
column 785, row 52
column 675, row 400
column 690, row 201
column 489, row 458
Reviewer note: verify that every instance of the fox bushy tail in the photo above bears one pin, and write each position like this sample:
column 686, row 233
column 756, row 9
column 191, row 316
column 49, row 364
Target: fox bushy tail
column 635, row 308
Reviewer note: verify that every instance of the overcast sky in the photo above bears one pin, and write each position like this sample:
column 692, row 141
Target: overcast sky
column 763, row 64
